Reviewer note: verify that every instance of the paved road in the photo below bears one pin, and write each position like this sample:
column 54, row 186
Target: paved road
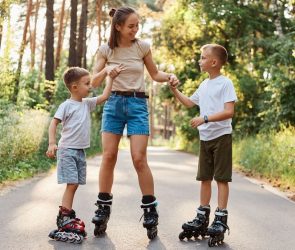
column 258, row 219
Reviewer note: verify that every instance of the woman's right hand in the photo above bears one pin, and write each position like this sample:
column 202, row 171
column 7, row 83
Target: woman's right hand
column 114, row 71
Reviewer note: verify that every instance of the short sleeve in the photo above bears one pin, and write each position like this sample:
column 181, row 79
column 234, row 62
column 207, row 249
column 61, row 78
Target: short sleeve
column 195, row 97
column 60, row 113
column 91, row 102
column 103, row 51
column 144, row 48
column 229, row 93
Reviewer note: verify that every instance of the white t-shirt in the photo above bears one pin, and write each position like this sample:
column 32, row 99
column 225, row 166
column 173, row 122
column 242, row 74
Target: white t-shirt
column 211, row 97
column 76, row 122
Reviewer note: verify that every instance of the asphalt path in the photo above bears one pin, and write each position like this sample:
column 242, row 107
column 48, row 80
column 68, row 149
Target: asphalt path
column 258, row 219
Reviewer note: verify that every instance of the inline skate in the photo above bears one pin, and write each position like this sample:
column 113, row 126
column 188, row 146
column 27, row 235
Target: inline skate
column 102, row 215
column 69, row 228
column 218, row 228
column 197, row 226
column 150, row 220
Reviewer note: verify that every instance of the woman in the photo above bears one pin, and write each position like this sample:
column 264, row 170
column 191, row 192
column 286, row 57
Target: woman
column 123, row 60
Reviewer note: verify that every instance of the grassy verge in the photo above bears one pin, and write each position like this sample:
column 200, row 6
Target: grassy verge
column 270, row 156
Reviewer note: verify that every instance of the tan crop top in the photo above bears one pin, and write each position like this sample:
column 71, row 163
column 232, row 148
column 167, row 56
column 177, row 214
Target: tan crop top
column 132, row 78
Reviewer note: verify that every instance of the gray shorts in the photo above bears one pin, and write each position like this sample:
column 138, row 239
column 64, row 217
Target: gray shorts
column 71, row 166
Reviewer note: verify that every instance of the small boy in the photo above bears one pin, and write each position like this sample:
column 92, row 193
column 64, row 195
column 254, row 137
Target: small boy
column 74, row 115
column 216, row 98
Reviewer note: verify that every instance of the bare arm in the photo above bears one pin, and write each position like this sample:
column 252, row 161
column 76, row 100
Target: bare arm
column 106, row 92
column 52, row 147
column 156, row 75
column 99, row 72
column 182, row 98
column 227, row 113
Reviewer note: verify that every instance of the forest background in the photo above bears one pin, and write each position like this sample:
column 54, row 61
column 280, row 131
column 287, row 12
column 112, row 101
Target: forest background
column 39, row 39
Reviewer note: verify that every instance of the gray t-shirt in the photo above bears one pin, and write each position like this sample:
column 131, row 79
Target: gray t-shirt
column 211, row 97
column 76, row 122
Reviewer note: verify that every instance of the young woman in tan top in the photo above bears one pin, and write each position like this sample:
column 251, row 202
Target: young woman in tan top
column 123, row 60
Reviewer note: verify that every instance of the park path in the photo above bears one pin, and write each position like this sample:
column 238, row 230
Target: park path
column 258, row 219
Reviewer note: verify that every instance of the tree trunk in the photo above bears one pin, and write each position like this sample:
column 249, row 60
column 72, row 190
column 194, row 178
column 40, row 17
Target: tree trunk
column 33, row 35
column 73, row 38
column 99, row 4
column 60, row 34
column 42, row 59
column 49, row 38
column 81, row 48
column 21, row 51
column 49, row 44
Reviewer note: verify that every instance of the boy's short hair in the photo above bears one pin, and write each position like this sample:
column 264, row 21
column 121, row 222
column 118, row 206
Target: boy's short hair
column 74, row 74
column 218, row 51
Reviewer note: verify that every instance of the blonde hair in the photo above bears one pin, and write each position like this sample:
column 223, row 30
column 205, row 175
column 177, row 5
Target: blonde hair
column 217, row 50
column 74, row 74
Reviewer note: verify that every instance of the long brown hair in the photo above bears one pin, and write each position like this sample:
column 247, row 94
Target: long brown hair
column 119, row 17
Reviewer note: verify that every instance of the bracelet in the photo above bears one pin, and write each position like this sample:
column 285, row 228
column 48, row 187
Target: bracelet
column 206, row 119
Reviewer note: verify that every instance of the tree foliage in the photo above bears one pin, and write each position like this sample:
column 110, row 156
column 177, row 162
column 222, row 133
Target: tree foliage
column 259, row 36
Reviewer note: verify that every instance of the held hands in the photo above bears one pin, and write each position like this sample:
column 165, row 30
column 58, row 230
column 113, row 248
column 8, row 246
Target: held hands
column 114, row 71
column 197, row 121
column 51, row 151
column 173, row 81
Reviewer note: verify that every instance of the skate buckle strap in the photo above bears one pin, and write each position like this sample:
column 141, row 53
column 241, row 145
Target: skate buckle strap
column 104, row 202
column 201, row 212
column 224, row 225
column 148, row 205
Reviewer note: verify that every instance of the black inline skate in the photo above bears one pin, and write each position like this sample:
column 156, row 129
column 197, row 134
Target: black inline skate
column 102, row 215
column 218, row 227
column 150, row 220
column 69, row 228
column 197, row 226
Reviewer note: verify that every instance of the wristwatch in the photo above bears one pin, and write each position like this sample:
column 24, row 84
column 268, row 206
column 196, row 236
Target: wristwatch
column 206, row 119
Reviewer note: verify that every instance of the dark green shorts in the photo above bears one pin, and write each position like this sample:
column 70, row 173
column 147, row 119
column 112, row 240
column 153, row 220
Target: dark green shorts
column 215, row 159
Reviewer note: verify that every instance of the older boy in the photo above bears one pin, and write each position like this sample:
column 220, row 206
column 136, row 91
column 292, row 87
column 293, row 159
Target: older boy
column 74, row 115
column 216, row 98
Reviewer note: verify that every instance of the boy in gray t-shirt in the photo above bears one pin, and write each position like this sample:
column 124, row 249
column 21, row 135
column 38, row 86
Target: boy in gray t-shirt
column 216, row 98
column 74, row 115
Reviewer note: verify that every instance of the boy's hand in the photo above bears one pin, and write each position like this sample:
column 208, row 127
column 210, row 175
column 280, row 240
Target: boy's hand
column 114, row 71
column 51, row 151
column 197, row 121
column 173, row 81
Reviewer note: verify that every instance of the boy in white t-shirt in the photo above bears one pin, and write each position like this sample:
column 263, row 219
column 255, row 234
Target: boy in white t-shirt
column 216, row 98
column 74, row 115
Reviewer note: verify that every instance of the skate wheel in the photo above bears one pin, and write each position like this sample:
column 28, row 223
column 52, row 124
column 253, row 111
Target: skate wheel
column 152, row 233
column 99, row 230
column 52, row 234
column 211, row 242
column 182, row 235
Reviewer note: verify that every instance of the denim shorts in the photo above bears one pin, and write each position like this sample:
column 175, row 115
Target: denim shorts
column 120, row 110
column 71, row 166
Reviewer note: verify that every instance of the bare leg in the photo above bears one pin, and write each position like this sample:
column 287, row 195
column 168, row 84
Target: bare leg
column 223, row 193
column 205, row 193
column 138, row 144
column 68, row 196
column 110, row 144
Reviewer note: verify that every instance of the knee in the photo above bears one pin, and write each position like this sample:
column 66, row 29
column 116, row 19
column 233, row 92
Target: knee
column 109, row 157
column 72, row 187
column 139, row 161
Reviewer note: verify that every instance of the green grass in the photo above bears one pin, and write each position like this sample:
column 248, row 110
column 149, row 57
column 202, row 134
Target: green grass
column 269, row 156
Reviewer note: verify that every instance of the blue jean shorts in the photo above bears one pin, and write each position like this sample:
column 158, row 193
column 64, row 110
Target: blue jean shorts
column 120, row 110
column 71, row 166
